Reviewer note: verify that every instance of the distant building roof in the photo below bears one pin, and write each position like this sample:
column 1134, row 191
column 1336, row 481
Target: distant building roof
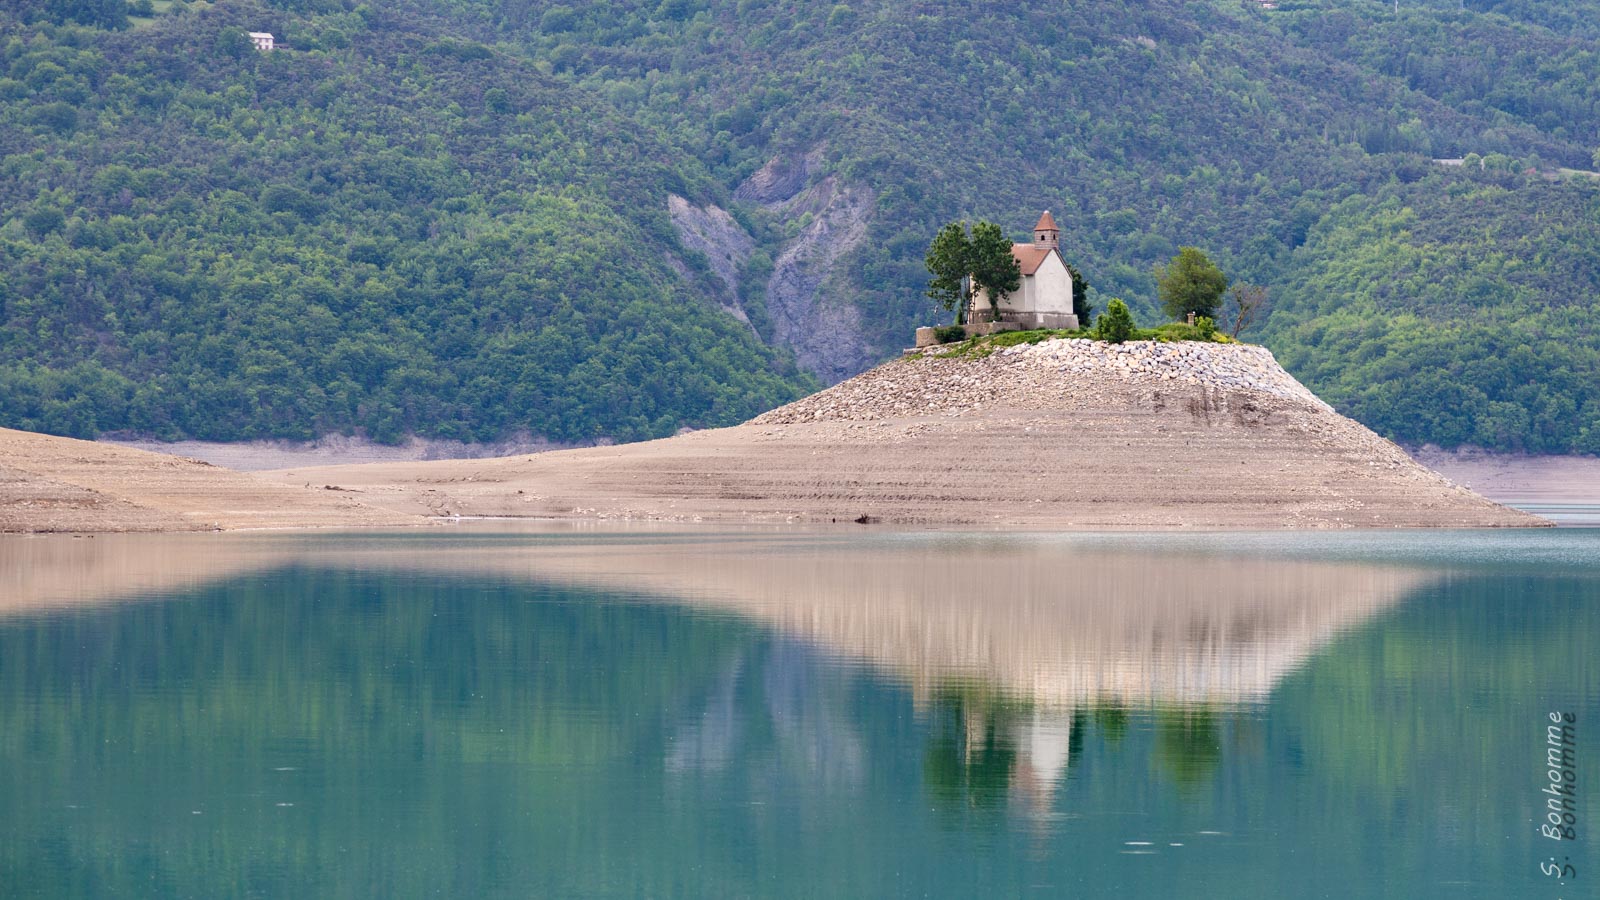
column 1047, row 222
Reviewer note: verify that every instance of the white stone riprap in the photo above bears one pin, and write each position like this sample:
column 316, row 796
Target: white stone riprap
column 1051, row 374
column 1232, row 366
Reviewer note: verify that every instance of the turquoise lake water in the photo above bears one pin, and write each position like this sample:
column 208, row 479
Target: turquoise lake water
column 660, row 713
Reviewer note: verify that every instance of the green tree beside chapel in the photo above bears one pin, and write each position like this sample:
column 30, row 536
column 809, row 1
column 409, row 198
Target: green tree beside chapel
column 1080, row 297
column 962, row 264
column 1190, row 283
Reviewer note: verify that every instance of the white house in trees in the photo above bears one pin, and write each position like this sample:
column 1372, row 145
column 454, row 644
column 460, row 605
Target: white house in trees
column 263, row 41
column 1045, row 298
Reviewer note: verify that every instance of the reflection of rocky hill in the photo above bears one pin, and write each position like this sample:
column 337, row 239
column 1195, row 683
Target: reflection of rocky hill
column 1057, row 625
column 59, row 571
column 1007, row 644
column 1010, row 645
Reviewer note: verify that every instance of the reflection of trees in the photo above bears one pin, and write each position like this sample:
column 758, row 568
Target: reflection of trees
column 770, row 701
column 377, row 705
column 970, row 756
column 1111, row 718
column 985, row 751
column 1188, row 744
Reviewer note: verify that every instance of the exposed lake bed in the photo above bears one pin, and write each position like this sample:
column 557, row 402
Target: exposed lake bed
column 1044, row 433
column 578, row 709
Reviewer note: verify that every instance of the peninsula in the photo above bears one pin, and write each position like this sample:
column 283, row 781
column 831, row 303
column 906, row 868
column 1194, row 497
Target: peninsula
column 1059, row 434
column 1066, row 434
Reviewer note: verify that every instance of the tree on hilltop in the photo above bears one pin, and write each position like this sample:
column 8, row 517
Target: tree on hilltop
column 994, row 270
column 962, row 264
column 947, row 256
column 1190, row 283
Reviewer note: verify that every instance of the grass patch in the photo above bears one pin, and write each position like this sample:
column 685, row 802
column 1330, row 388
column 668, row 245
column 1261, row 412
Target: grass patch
column 982, row 346
column 1180, row 331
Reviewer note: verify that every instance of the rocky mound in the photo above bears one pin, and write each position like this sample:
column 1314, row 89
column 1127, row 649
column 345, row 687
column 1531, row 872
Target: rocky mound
column 1056, row 435
column 1054, row 374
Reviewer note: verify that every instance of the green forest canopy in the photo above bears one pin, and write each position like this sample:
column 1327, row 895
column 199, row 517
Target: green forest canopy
column 447, row 217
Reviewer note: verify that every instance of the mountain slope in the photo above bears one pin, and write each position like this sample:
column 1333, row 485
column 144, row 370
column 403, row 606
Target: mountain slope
column 1146, row 126
column 1454, row 312
column 403, row 233
column 465, row 218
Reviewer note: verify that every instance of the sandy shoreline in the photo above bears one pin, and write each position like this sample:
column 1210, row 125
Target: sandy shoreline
column 56, row 484
column 1501, row 477
column 332, row 450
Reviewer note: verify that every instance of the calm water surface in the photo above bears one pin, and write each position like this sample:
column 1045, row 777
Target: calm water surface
column 1581, row 514
column 667, row 713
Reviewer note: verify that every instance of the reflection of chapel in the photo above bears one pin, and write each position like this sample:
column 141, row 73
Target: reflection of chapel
column 1045, row 298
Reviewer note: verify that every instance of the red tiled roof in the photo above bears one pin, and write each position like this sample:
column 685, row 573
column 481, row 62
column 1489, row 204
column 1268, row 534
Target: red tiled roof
column 1029, row 256
column 1046, row 223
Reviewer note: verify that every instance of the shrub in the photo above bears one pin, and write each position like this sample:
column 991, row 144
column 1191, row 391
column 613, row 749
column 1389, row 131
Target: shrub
column 949, row 334
column 1207, row 327
column 1115, row 325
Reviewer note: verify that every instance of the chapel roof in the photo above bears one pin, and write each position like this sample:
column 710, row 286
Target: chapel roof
column 1047, row 222
column 1030, row 256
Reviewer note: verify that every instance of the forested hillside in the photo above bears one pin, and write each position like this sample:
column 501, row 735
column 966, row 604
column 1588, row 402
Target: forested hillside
column 395, row 233
column 450, row 217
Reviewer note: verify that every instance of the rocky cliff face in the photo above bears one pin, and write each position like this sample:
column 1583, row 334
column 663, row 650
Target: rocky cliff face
column 831, row 219
column 713, row 233
column 825, row 331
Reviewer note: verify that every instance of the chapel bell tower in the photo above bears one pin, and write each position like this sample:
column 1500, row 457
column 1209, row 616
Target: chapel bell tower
column 1045, row 234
